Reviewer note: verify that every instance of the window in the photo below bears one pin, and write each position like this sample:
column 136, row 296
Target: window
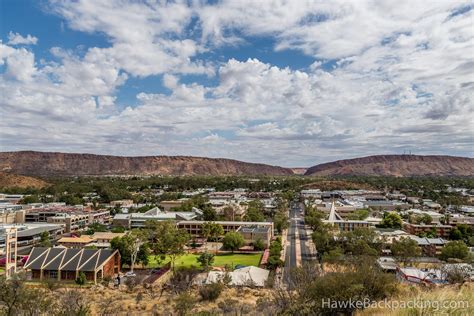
column 53, row 274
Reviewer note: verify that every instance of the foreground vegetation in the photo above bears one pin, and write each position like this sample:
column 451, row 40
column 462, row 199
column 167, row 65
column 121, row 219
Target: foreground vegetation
column 358, row 280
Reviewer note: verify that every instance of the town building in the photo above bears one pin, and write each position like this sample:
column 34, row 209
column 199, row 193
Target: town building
column 439, row 230
column 65, row 264
column 30, row 234
column 12, row 216
column 169, row 205
column 430, row 247
column 75, row 241
column 251, row 231
column 97, row 240
column 344, row 225
column 137, row 220
column 72, row 218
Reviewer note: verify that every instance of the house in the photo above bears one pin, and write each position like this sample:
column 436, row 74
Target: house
column 247, row 276
column 65, row 264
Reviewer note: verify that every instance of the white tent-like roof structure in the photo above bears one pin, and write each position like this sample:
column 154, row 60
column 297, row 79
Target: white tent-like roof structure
column 248, row 276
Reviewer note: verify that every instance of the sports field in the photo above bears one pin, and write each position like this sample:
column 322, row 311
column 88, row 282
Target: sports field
column 221, row 260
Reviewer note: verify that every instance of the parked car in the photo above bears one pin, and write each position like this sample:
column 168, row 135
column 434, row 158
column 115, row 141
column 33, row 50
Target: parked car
column 130, row 274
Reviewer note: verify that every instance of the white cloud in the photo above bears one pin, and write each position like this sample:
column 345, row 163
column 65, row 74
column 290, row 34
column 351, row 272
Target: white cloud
column 18, row 39
column 402, row 79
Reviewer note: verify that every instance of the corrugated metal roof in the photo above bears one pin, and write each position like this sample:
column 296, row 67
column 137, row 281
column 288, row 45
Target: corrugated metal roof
column 37, row 262
column 91, row 262
column 70, row 253
column 54, row 263
column 35, row 254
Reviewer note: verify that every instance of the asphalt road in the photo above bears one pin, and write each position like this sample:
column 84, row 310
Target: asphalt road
column 296, row 224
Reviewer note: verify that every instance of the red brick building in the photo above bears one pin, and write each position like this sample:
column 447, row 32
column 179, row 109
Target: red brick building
column 65, row 264
column 440, row 230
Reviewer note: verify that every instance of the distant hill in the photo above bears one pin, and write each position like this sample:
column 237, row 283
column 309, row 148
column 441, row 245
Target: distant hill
column 8, row 180
column 397, row 165
column 32, row 163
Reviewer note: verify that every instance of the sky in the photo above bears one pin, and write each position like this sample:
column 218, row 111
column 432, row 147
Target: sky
column 290, row 83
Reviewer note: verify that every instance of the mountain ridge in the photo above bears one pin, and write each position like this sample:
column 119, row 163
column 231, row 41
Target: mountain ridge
column 35, row 163
column 397, row 165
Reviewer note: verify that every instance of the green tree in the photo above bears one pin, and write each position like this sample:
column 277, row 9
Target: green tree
column 405, row 249
column 359, row 215
column 281, row 221
column 233, row 241
column 275, row 249
column 212, row 231
column 209, row 214
column 30, row 199
column 391, row 220
column 133, row 248
column 169, row 241
column 455, row 250
column 361, row 241
column 44, row 239
column 313, row 218
column 255, row 212
column 206, row 260
column 323, row 240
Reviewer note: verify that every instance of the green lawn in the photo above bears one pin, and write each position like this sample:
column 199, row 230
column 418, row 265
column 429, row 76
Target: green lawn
column 189, row 260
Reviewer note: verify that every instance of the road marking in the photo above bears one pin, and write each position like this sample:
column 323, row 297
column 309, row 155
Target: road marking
column 298, row 248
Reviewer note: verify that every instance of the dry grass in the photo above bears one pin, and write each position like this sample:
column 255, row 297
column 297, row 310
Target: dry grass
column 435, row 297
column 120, row 302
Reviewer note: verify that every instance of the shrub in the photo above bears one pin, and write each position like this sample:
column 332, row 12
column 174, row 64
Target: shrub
column 131, row 283
column 81, row 279
column 259, row 244
column 206, row 260
column 184, row 303
column 210, row 292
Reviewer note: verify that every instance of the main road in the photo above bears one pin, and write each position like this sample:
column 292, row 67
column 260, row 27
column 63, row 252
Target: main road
column 299, row 246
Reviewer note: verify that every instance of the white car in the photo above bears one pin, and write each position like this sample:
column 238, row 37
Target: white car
column 130, row 274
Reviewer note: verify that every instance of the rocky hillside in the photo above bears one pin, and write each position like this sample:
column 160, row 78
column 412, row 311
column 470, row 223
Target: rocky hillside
column 397, row 165
column 8, row 180
column 33, row 163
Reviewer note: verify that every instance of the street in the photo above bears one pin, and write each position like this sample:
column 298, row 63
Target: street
column 299, row 246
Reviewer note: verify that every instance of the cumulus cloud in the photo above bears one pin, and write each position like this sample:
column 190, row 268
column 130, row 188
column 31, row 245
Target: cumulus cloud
column 400, row 79
column 18, row 39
